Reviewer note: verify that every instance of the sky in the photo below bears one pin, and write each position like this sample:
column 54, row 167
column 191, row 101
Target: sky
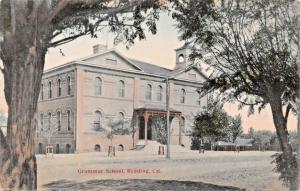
column 156, row 49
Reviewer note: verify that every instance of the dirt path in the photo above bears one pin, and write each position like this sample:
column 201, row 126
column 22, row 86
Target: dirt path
column 249, row 170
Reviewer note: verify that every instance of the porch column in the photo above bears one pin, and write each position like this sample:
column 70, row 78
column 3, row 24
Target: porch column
column 136, row 130
column 180, row 129
column 146, row 127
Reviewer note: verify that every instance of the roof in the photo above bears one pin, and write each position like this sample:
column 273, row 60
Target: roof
column 156, row 107
column 142, row 66
column 150, row 68
column 243, row 142
column 238, row 142
column 223, row 143
column 184, row 46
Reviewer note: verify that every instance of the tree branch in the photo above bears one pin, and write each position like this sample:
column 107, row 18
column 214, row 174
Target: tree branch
column 287, row 111
column 54, row 12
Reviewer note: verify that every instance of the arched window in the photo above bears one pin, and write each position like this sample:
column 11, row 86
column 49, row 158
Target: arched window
column 182, row 96
column 58, row 120
column 40, row 148
column 69, row 120
column 68, row 85
column 120, row 147
column 181, row 58
column 182, row 124
column 121, row 119
column 98, row 87
column 41, row 121
column 121, row 88
column 97, row 148
column 198, row 98
column 57, row 148
column 58, row 88
column 159, row 93
column 121, row 116
column 148, row 92
column 42, row 92
column 97, row 121
column 49, row 90
column 49, row 121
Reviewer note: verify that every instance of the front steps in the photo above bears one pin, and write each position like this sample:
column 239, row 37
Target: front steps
column 152, row 147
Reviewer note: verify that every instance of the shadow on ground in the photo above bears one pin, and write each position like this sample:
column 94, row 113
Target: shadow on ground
column 135, row 185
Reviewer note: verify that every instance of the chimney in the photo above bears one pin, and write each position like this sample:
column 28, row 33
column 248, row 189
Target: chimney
column 99, row 48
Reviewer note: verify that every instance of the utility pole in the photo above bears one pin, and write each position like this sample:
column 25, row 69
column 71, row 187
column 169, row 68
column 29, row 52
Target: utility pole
column 168, row 117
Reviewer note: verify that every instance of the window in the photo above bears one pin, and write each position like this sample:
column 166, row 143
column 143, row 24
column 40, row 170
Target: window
column 97, row 148
column 181, row 58
column 159, row 93
column 58, row 120
column 49, row 121
column 68, row 148
column 49, row 90
column 69, row 120
column 41, row 121
column 182, row 96
column 198, row 98
column 42, row 92
column 120, row 147
column 182, row 124
column 97, row 121
column 192, row 76
column 97, row 87
column 148, row 92
column 58, row 88
column 121, row 119
column 40, row 148
column 69, row 85
column 110, row 61
column 121, row 88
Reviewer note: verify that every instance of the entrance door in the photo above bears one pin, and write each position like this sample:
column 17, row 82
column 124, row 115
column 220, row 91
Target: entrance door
column 149, row 129
column 142, row 128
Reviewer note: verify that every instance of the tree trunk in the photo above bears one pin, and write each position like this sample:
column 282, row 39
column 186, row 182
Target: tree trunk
column 22, row 85
column 288, row 159
column 22, row 52
column 298, row 149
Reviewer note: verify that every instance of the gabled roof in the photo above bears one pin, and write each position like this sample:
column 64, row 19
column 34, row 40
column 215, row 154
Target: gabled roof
column 185, row 46
column 150, row 68
column 108, row 51
column 178, row 71
column 140, row 66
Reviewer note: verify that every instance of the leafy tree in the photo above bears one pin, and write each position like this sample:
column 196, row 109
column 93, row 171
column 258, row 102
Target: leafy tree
column 234, row 129
column 116, row 127
column 293, row 140
column 250, row 133
column 159, row 126
column 210, row 125
column 262, row 138
column 27, row 29
column 251, row 49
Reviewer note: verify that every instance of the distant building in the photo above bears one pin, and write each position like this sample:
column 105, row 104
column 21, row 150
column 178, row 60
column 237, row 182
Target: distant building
column 79, row 97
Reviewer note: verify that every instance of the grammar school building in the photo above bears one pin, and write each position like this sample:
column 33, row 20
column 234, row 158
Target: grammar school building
column 81, row 97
